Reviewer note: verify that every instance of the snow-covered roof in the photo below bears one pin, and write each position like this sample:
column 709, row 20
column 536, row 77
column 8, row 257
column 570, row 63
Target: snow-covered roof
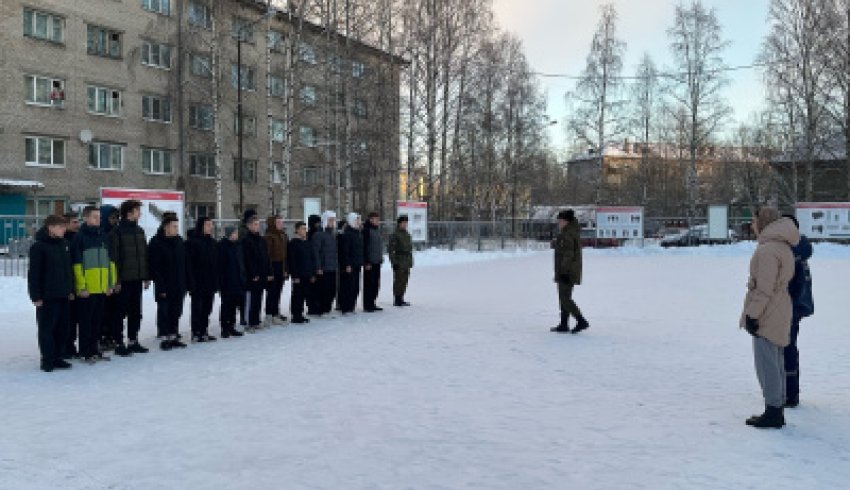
column 31, row 184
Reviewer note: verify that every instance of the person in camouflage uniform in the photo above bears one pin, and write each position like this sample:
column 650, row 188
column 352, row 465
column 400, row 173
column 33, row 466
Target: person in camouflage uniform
column 568, row 270
column 400, row 249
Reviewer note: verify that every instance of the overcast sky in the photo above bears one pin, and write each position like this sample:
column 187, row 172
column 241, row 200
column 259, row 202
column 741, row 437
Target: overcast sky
column 557, row 36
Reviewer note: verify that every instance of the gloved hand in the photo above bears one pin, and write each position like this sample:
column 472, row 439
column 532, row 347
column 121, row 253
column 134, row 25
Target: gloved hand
column 752, row 326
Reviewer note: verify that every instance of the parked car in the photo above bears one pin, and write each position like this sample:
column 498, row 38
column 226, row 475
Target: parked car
column 695, row 236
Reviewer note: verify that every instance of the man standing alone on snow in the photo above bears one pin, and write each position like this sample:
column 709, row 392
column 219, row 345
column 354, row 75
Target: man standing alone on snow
column 400, row 250
column 202, row 277
column 568, row 269
column 50, row 284
column 276, row 242
column 373, row 257
column 768, row 310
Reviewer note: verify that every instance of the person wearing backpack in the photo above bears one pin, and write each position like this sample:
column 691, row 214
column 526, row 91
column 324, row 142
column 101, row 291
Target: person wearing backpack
column 800, row 290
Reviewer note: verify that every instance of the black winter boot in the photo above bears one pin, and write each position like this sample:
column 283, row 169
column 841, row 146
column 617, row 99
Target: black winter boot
column 564, row 326
column 772, row 418
column 582, row 324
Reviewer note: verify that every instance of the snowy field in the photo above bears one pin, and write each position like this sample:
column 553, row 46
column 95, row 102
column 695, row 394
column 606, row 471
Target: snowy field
column 467, row 389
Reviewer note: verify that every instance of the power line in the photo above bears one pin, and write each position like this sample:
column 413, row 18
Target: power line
column 661, row 74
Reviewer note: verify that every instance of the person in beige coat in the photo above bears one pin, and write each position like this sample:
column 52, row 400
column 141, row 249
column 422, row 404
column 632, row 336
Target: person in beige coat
column 768, row 309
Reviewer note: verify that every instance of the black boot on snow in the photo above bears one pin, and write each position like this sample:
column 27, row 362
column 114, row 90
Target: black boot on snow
column 564, row 326
column 772, row 418
column 582, row 325
column 136, row 348
column 121, row 350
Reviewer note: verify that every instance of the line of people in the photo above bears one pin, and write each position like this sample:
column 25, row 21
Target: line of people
column 87, row 279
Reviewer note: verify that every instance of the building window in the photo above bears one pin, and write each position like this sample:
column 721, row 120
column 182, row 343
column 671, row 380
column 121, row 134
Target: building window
column 159, row 6
column 250, row 128
column 202, row 165
column 156, row 55
column 201, row 66
column 202, row 210
column 243, row 29
column 45, row 91
column 106, row 156
column 311, row 176
column 249, row 171
column 201, row 117
column 307, row 136
column 278, row 131
column 275, row 40
column 104, row 101
column 104, row 42
column 308, row 95
column 307, row 53
column 200, row 14
column 276, row 86
column 335, row 63
column 358, row 69
column 43, row 151
column 361, row 108
column 156, row 109
column 41, row 25
column 156, row 162
column 248, row 80
column 278, row 173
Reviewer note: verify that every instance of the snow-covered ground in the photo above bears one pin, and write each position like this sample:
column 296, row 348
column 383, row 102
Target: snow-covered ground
column 467, row 389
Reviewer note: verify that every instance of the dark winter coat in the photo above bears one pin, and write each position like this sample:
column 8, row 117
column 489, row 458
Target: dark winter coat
column 92, row 261
column 276, row 241
column 231, row 268
column 568, row 261
column 350, row 248
column 373, row 244
column 325, row 249
column 300, row 259
column 256, row 257
column 130, row 249
column 202, row 262
column 400, row 249
column 167, row 256
column 800, row 287
column 105, row 212
column 49, row 276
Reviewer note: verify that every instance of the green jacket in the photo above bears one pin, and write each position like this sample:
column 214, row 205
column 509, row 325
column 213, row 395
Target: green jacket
column 568, row 254
column 130, row 251
column 400, row 249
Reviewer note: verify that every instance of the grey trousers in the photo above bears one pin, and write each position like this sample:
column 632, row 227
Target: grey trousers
column 770, row 369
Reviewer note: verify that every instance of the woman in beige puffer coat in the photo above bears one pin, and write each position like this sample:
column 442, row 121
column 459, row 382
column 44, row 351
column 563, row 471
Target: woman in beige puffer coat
column 768, row 309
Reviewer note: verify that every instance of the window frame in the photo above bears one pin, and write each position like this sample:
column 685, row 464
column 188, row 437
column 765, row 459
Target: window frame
column 207, row 160
column 163, row 52
column 109, row 34
column 37, row 143
column 192, row 12
column 165, row 157
column 253, row 165
column 164, row 7
column 195, row 117
column 57, row 101
column 96, row 147
column 50, row 25
column 110, row 97
column 148, row 108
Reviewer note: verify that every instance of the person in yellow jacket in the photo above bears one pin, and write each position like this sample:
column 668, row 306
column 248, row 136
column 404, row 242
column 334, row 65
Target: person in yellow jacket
column 94, row 279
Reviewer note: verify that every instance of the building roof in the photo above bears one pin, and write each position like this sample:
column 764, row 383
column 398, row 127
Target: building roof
column 833, row 149
column 26, row 184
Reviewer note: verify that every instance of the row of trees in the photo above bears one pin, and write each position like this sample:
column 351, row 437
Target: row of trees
column 680, row 115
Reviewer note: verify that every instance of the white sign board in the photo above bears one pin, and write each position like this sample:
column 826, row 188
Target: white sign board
column 718, row 222
column 619, row 222
column 824, row 220
column 154, row 204
column 417, row 215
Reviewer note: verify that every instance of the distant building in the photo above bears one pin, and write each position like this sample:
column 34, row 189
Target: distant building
column 120, row 94
column 830, row 181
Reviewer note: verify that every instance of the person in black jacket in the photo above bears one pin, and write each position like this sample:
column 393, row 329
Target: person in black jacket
column 302, row 268
column 50, row 283
column 373, row 258
column 202, row 277
column 350, row 263
column 130, row 249
column 231, row 280
column 257, row 272
column 112, row 310
column 802, row 300
column 70, row 349
column 167, row 262
column 313, row 291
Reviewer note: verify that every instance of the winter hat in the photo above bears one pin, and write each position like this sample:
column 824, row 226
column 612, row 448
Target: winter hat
column 352, row 219
column 567, row 215
column 313, row 220
column 327, row 215
column 767, row 215
column 248, row 214
column 402, row 218
column 229, row 230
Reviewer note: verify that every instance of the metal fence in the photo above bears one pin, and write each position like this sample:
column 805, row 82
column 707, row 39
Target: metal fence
column 478, row 236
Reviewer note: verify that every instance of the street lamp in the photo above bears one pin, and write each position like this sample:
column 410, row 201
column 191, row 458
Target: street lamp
column 240, row 123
